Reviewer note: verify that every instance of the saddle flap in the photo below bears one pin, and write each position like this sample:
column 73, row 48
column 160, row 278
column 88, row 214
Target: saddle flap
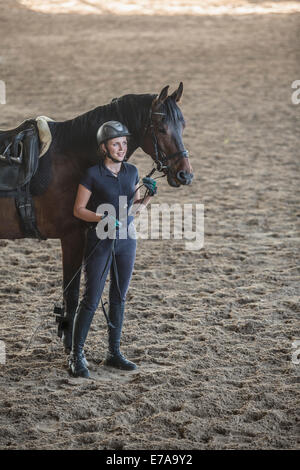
column 20, row 151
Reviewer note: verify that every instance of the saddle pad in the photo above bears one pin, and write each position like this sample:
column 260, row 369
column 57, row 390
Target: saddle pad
column 44, row 134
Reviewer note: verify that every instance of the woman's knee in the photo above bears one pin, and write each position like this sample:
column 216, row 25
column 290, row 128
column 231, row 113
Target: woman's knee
column 116, row 297
column 90, row 304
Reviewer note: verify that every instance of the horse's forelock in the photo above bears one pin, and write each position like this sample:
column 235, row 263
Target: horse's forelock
column 172, row 111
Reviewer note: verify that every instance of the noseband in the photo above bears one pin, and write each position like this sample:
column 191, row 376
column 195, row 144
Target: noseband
column 161, row 159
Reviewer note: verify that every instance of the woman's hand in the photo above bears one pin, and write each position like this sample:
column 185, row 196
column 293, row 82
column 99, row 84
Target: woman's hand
column 150, row 184
column 115, row 221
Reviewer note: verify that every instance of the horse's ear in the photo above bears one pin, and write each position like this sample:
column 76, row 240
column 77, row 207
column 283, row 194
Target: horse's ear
column 162, row 97
column 163, row 94
column 176, row 95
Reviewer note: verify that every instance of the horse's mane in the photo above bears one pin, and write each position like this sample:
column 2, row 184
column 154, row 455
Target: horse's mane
column 132, row 110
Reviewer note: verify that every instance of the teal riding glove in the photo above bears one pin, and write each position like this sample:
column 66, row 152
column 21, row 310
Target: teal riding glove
column 117, row 223
column 150, row 184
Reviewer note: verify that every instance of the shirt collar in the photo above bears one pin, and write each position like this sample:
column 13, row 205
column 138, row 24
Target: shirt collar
column 104, row 171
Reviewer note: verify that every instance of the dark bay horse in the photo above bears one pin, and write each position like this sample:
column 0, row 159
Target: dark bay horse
column 155, row 123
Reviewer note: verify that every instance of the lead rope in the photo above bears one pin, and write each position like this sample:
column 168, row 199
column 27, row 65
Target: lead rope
column 41, row 323
column 60, row 310
column 61, row 317
column 115, row 269
column 111, row 253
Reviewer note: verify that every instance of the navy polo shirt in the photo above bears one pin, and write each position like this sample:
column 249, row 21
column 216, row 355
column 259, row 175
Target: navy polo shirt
column 106, row 188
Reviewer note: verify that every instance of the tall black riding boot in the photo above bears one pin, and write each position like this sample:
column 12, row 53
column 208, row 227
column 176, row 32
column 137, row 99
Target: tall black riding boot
column 77, row 361
column 114, row 358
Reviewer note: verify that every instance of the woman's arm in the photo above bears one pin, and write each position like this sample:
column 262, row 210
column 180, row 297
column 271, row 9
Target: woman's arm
column 80, row 211
column 138, row 203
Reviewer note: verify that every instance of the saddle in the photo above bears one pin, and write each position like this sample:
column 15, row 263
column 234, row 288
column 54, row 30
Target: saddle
column 19, row 151
column 19, row 158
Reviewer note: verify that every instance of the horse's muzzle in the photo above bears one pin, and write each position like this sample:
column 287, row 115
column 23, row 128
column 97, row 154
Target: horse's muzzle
column 181, row 178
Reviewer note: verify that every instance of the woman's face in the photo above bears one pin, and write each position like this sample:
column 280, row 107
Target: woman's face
column 117, row 147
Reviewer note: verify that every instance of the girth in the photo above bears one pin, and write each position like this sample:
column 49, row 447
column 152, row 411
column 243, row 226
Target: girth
column 25, row 207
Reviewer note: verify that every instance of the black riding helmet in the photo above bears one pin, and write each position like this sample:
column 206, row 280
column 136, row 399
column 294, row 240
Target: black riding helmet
column 111, row 130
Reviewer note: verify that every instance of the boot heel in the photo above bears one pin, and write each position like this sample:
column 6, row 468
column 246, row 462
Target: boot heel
column 77, row 366
column 119, row 362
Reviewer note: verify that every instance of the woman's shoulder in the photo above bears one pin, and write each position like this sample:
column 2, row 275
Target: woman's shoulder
column 92, row 170
column 131, row 171
column 130, row 167
column 88, row 177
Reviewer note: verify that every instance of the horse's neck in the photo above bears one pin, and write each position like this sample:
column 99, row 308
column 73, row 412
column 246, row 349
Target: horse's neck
column 133, row 111
column 77, row 137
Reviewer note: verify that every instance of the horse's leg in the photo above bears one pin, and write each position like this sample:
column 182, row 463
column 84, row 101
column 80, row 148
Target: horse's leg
column 10, row 227
column 72, row 254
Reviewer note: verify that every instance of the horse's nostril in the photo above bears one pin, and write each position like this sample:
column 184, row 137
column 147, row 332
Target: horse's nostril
column 182, row 177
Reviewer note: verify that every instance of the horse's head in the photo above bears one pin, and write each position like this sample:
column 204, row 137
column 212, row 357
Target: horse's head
column 163, row 138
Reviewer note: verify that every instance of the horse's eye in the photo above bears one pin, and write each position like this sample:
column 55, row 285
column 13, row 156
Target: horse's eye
column 162, row 130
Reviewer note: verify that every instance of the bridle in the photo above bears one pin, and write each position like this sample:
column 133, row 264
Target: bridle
column 161, row 159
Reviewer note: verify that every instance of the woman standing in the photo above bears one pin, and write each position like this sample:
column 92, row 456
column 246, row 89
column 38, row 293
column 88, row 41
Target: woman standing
column 104, row 183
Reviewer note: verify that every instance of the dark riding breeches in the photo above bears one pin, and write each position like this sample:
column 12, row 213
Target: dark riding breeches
column 100, row 263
